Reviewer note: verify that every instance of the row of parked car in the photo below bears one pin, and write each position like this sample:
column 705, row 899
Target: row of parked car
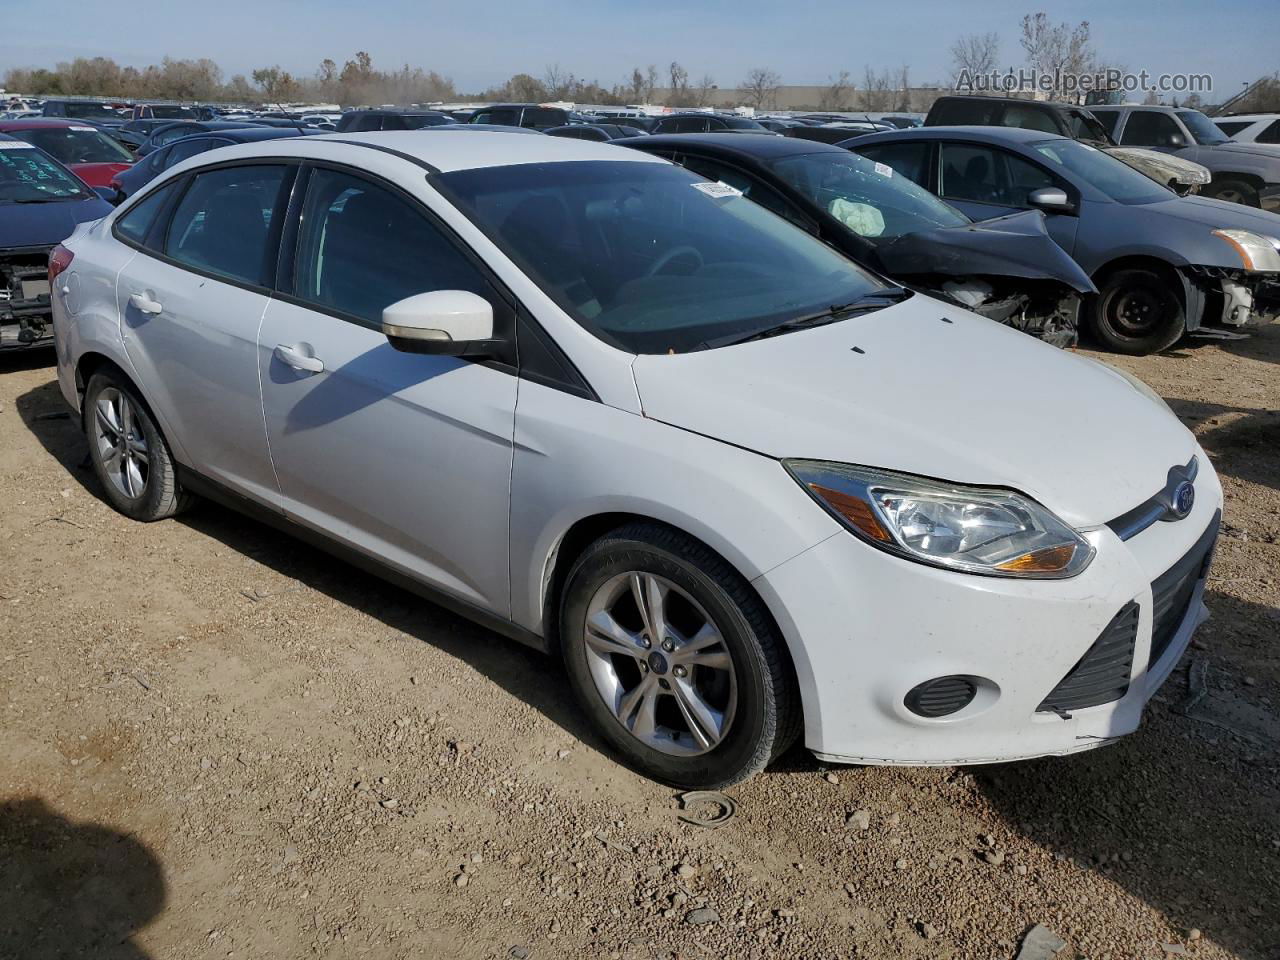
column 703, row 415
column 1018, row 214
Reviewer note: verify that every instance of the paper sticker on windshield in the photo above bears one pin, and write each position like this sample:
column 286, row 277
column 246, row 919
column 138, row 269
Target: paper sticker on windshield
column 15, row 145
column 84, row 129
column 717, row 190
column 884, row 170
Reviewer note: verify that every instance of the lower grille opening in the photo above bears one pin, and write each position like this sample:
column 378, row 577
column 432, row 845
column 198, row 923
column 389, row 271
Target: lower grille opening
column 941, row 696
column 1171, row 592
column 1102, row 675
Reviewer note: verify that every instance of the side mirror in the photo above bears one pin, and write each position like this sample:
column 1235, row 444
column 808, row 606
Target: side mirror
column 1050, row 200
column 450, row 323
column 1176, row 140
column 109, row 194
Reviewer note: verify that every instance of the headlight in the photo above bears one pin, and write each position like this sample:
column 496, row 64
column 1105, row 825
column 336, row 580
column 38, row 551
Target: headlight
column 971, row 529
column 1257, row 251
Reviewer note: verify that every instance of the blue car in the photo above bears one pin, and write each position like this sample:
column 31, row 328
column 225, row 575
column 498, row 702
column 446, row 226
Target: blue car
column 1164, row 265
column 129, row 182
column 41, row 203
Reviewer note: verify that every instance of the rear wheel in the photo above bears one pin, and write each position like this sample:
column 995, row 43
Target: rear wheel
column 1233, row 191
column 1138, row 312
column 675, row 659
column 129, row 455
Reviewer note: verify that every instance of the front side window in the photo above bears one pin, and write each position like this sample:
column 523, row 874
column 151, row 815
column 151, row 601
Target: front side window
column 173, row 133
column 867, row 197
column 649, row 256
column 184, row 149
column 1107, row 120
column 1085, row 126
column 76, row 145
column 363, row 247
column 1150, row 128
column 223, row 223
column 27, row 175
column 1201, row 127
column 987, row 175
column 135, row 223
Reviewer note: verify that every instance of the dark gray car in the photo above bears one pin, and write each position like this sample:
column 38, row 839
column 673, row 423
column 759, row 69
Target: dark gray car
column 1163, row 264
column 1242, row 172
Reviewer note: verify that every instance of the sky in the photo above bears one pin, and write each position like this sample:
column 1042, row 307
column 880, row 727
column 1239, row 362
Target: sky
column 482, row 44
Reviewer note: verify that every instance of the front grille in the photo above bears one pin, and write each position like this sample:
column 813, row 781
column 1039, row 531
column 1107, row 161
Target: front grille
column 1102, row 675
column 1171, row 591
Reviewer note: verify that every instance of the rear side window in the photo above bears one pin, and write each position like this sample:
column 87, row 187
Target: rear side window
column 343, row 262
column 136, row 222
column 1271, row 134
column 222, row 224
column 1232, row 127
column 909, row 159
column 1147, row 128
column 503, row 115
column 542, row 118
column 963, row 112
column 1028, row 118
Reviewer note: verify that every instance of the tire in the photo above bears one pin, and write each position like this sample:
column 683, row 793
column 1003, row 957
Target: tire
column 739, row 673
column 142, row 483
column 1138, row 312
column 1233, row 191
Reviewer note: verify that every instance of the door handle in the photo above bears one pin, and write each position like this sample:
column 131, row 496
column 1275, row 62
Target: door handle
column 293, row 357
column 145, row 304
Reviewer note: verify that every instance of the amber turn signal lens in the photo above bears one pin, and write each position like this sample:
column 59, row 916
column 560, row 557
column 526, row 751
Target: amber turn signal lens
column 1052, row 560
column 857, row 512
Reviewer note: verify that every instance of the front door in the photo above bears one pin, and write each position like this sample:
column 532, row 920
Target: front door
column 405, row 457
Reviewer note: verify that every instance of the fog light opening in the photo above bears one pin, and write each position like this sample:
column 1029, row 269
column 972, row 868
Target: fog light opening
column 942, row 696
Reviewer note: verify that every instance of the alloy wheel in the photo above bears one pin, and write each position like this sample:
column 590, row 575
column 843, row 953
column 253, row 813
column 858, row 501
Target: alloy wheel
column 122, row 445
column 660, row 664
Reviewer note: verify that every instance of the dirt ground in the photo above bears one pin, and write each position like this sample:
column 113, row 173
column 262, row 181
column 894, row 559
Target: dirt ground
column 216, row 742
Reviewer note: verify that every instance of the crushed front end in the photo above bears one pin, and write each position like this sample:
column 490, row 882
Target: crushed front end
column 1048, row 310
column 1230, row 298
column 25, row 311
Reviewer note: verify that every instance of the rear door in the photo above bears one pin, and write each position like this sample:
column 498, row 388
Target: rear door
column 191, row 303
column 405, row 457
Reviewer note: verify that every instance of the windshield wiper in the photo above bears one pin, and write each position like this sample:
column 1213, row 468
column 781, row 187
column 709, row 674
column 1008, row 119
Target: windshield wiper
column 833, row 314
column 34, row 199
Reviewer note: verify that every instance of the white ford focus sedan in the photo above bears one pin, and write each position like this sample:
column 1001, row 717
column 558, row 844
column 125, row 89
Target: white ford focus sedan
column 745, row 489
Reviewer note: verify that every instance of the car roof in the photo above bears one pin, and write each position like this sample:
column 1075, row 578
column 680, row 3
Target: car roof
column 440, row 153
column 760, row 148
column 1251, row 117
column 1022, row 101
column 37, row 123
column 245, row 134
column 976, row 133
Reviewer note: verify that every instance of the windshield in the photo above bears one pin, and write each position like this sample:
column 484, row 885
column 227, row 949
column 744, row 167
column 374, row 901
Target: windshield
column 1202, row 127
column 76, row 145
column 650, row 257
column 1085, row 127
column 869, row 198
column 90, row 111
column 1116, row 179
column 27, row 176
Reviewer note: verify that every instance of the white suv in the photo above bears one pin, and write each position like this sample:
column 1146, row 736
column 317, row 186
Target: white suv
column 743, row 487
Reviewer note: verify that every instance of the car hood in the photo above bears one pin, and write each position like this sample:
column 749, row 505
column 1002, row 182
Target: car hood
column 44, row 224
column 1219, row 214
column 935, row 391
column 98, row 174
column 1014, row 246
column 1252, row 149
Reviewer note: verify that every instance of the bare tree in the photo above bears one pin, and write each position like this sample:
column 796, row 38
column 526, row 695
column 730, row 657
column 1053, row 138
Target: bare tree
column 904, row 89
column 972, row 56
column 678, row 91
column 761, row 87
column 559, row 84
column 837, row 94
column 650, row 83
column 877, row 90
column 704, row 92
column 1057, row 49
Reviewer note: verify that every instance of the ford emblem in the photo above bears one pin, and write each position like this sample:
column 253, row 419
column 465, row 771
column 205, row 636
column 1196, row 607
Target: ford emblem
column 1184, row 498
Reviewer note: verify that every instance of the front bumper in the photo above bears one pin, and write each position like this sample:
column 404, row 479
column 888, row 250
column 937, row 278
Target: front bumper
column 865, row 628
column 25, row 310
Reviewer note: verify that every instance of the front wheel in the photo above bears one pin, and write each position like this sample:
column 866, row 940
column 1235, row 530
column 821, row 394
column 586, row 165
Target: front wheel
column 675, row 659
column 1233, row 191
column 128, row 452
column 1138, row 312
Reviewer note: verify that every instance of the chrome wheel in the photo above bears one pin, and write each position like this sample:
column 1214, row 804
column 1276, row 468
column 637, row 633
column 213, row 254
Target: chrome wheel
column 121, row 444
column 660, row 664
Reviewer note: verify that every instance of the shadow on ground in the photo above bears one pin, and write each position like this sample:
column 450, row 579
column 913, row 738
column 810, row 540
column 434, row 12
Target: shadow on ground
column 70, row 890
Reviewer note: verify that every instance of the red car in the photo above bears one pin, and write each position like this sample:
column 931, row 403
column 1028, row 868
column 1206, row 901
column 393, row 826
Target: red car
column 92, row 155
